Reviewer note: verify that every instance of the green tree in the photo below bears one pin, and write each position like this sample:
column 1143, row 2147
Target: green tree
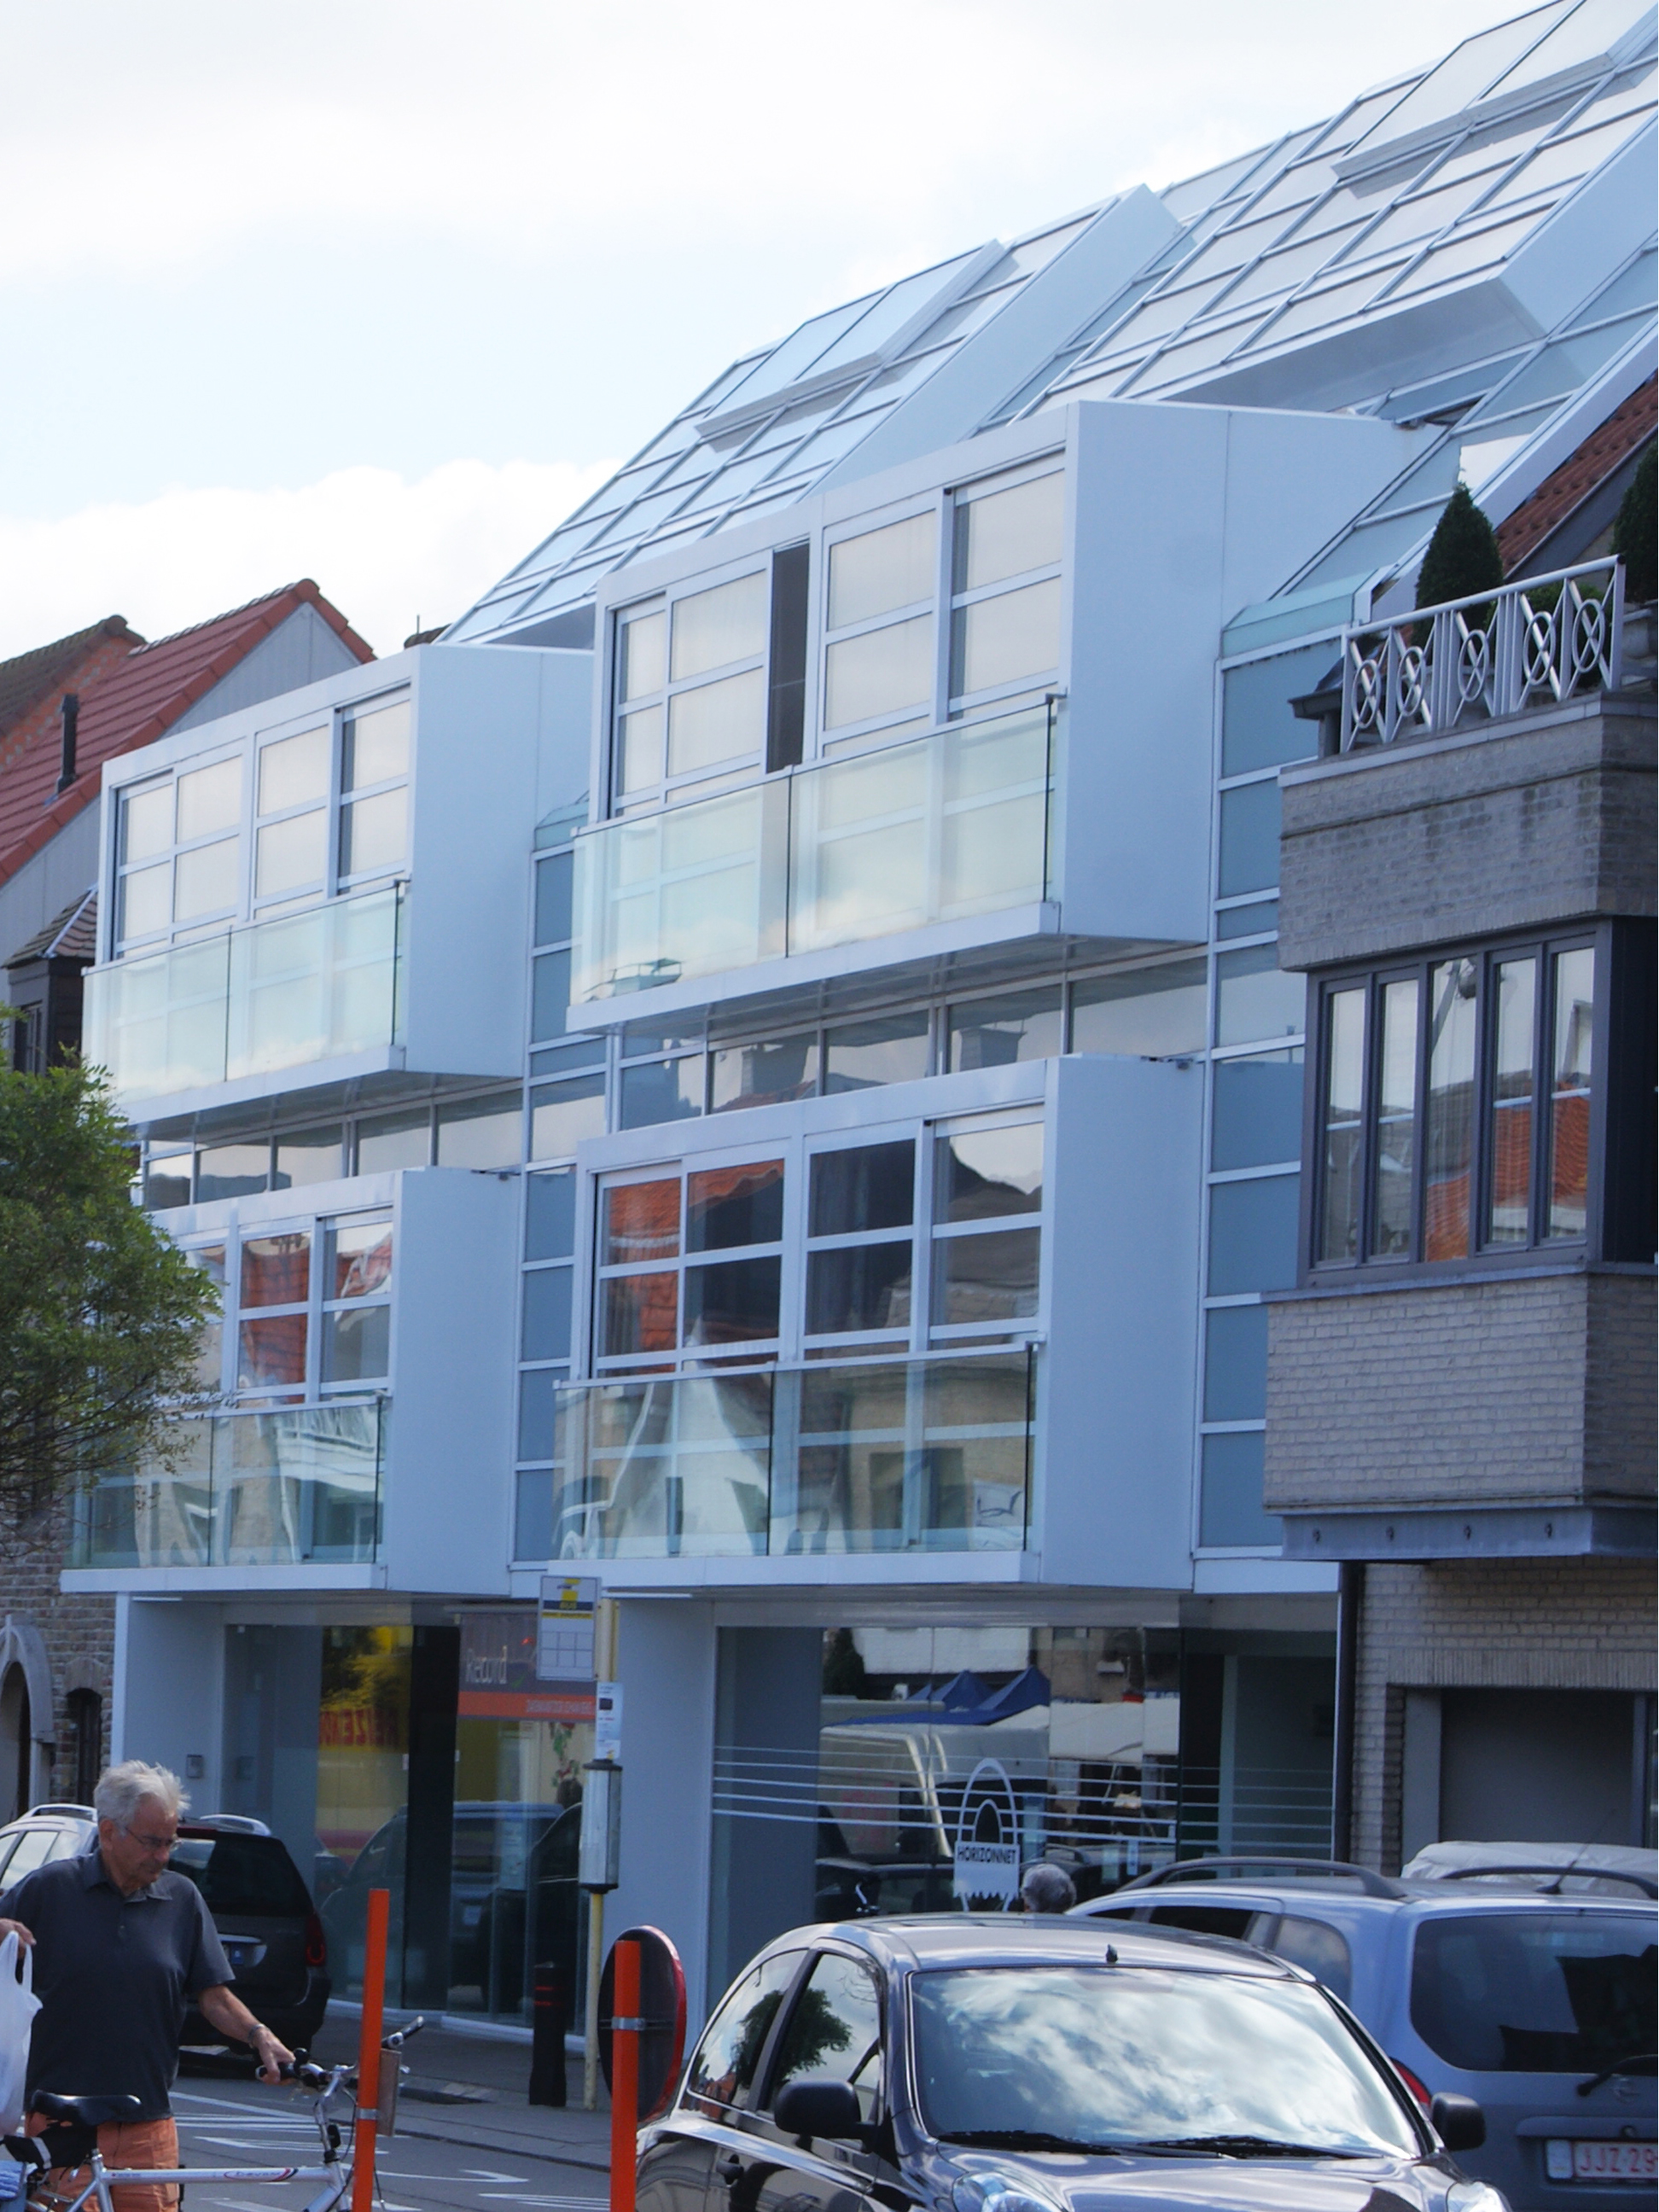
column 101, row 1316
column 1462, row 558
column 1636, row 532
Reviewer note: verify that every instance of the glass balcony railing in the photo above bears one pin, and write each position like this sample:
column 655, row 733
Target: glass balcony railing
column 894, row 1455
column 937, row 830
column 287, row 992
column 300, row 1486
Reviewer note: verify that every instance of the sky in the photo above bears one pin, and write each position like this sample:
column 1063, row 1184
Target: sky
column 376, row 291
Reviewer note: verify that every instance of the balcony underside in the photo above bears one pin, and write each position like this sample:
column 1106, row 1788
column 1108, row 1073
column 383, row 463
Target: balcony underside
column 366, row 1081
column 1018, row 946
column 1515, row 1532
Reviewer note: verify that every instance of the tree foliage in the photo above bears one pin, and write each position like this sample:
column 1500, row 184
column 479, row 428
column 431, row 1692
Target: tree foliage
column 101, row 1316
column 1462, row 558
column 1636, row 532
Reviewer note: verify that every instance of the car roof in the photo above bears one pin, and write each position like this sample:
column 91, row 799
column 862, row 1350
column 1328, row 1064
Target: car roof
column 921, row 1940
column 1428, row 1895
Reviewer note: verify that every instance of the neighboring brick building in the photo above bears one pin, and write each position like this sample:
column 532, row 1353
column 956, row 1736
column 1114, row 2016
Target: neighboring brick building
column 1460, row 1388
column 65, row 709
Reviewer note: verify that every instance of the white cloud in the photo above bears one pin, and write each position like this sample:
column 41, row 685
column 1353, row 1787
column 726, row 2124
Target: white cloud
column 383, row 550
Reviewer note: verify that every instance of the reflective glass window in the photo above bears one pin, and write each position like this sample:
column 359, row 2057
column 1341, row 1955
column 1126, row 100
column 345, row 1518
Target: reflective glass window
column 210, row 799
column 1248, row 921
column 716, row 722
column 271, row 1353
column 732, row 1301
column 722, row 2068
column 1235, row 1364
column 1341, row 1122
column 893, row 1048
column 1249, row 838
column 988, row 1281
column 639, row 1221
column 550, row 994
column 1152, row 1012
column 276, row 1270
column 308, row 1155
column 549, row 1227
column 834, row 2032
column 639, row 1314
column 394, row 1140
column 376, row 747
column 1230, row 1511
column 713, row 628
column 1449, row 1147
column 482, row 1132
column 1255, row 999
column 642, row 654
column 374, row 833
column 207, row 879
column 1253, row 1228
column 359, row 1259
column 1010, row 637
column 997, row 1032
column 862, row 1187
column 763, row 1074
column 294, row 771
column 1572, row 1042
column 146, row 901
column 166, row 1180
column 1394, row 1156
column 640, row 748
column 883, row 570
column 985, row 1173
column 146, row 821
column 545, row 1332
column 859, row 1288
column 536, row 1412
column 879, row 671
column 231, row 1170
column 553, row 891
column 728, row 1207
column 357, row 1344
column 1009, row 534
column 660, row 1090
column 292, row 854
column 563, row 1113
column 1509, row 1132
column 1255, row 1118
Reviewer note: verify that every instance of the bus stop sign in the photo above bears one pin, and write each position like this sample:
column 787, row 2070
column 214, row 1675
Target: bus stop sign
column 662, row 2013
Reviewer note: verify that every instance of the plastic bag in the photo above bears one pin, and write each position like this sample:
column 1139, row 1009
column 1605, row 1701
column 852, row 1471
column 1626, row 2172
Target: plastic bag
column 18, row 2005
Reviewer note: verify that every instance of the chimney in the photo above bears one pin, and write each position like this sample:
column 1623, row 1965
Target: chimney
column 69, row 712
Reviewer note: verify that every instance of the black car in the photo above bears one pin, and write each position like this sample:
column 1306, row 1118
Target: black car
column 984, row 2063
column 260, row 1906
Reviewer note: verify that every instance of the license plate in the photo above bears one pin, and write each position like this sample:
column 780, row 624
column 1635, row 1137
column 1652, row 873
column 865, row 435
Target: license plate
column 1602, row 2161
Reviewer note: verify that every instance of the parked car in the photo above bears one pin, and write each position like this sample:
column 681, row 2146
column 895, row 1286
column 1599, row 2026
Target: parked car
column 1598, row 1870
column 273, row 1938
column 1540, row 2007
column 996, row 2063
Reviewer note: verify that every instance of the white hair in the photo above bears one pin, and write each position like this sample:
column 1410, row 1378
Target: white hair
column 1047, row 1889
column 121, row 1789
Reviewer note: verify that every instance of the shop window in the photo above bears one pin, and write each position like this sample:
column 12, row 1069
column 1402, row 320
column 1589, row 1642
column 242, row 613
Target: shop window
column 1455, row 1108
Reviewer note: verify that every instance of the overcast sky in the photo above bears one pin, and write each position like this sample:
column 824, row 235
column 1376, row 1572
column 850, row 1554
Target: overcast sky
column 376, row 290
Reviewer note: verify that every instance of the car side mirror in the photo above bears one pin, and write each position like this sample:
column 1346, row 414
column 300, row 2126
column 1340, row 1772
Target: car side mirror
column 1459, row 2122
column 827, row 2109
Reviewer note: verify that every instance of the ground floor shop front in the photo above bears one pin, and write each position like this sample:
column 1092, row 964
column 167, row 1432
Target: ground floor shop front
column 821, row 1756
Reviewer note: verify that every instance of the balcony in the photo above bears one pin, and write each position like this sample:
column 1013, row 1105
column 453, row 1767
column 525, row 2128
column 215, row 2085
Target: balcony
column 941, row 829
column 321, row 986
column 297, row 1487
column 924, row 1455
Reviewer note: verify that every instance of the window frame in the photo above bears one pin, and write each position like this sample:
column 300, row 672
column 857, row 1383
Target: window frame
column 1482, row 1254
column 316, row 1307
column 961, row 705
column 884, row 728
column 669, row 789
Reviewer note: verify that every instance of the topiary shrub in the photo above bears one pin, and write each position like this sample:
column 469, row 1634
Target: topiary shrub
column 1636, row 533
column 1462, row 558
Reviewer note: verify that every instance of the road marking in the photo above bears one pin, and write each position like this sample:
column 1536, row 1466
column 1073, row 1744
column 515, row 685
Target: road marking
column 483, row 2174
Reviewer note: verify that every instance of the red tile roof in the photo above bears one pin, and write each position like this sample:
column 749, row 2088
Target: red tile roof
column 32, row 684
column 1606, row 448
column 131, row 703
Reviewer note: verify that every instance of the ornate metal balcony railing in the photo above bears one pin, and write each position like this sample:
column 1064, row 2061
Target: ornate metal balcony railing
column 318, row 985
column 936, row 829
column 298, row 1487
column 886, row 1455
column 1475, row 659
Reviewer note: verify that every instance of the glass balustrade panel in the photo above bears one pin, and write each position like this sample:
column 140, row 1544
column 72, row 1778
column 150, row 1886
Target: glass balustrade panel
column 298, row 1486
column 678, row 1467
column 158, row 1025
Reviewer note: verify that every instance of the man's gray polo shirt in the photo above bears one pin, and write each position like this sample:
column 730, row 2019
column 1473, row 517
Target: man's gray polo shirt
column 114, row 1974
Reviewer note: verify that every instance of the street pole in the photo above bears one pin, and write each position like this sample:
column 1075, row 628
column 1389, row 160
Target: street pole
column 625, row 2029
column 368, row 2053
column 604, row 1666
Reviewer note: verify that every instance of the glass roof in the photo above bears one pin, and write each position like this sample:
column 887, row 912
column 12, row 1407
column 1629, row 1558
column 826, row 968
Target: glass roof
column 1418, row 189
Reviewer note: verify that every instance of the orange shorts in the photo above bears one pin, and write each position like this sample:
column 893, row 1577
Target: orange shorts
column 126, row 2143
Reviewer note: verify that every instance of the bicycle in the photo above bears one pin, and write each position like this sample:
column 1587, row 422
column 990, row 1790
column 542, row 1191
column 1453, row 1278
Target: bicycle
column 336, row 2172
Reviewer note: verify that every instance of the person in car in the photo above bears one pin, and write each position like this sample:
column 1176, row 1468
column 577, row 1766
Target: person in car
column 120, row 1945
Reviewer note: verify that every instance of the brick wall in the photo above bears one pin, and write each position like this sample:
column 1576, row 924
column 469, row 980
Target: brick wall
column 78, row 1632
column 1509, row 1624
column 1533, row 1390
column 1547, row 817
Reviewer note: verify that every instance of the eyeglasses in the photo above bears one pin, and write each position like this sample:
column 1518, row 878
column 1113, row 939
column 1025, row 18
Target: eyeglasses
column 161, row 1846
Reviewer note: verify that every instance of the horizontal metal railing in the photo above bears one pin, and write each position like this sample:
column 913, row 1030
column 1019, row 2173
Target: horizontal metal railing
column 884, row 1455
column 284, row 993
column 1478, row 658
column 935, row 829
column 289, row 1486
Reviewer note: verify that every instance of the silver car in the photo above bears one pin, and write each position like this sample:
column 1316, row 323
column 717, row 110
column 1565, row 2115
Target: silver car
column 1539, row 2006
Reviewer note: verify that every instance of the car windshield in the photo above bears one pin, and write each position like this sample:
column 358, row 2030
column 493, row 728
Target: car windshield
column 1120, row 2054
column 1536, row 1992
column 246, row 1874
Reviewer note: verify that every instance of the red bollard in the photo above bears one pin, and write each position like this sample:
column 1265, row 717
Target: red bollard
column 625, row 2026
column 369, row 2054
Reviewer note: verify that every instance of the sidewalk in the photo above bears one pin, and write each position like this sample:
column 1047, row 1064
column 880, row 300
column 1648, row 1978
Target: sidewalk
column 472, row 2090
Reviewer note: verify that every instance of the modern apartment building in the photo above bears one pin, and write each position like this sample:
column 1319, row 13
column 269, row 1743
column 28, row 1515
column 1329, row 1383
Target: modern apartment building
column 758, row 1069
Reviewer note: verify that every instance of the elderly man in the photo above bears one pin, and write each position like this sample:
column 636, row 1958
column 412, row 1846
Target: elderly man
column 120, row 1946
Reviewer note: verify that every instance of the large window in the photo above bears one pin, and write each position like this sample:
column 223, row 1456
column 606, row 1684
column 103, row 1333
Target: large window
column 1006, row 588
column 1454, row 1107
column 306, row 1310
column 315, row 812
column 878, row 623
column 692, row 1262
